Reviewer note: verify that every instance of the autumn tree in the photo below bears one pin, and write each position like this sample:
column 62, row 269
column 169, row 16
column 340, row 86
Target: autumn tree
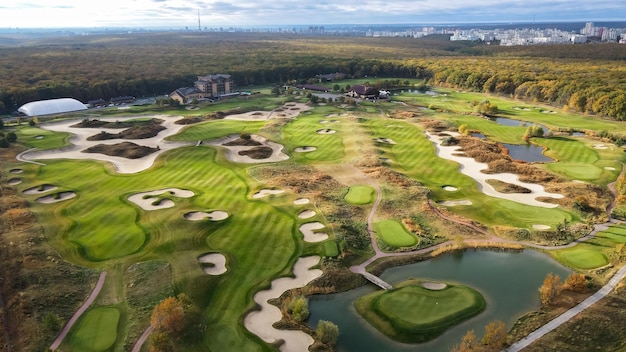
column 576, row 282
column 495, row 334
column 463, row 129
column 469, row 342
column 550, row 289
column 168, row 316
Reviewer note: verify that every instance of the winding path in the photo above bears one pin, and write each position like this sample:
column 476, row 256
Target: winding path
column 532, row 337
column 92, row 297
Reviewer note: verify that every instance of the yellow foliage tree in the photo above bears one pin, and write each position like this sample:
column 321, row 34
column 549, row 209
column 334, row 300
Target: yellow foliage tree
column 550, row 289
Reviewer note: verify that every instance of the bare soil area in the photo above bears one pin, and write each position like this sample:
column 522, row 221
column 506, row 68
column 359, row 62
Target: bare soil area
column 128, row 150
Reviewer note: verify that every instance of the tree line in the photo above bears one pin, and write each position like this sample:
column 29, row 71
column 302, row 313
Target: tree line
column 584, row 78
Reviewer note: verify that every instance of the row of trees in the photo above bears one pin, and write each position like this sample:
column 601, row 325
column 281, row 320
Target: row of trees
column 150, row 65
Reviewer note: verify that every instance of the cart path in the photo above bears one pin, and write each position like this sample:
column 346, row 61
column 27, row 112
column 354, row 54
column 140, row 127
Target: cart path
column 142, row 339
column 92, row 297
column 565, row 317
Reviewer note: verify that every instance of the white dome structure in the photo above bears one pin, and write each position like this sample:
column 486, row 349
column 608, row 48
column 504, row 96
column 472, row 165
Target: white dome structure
column 52, row 106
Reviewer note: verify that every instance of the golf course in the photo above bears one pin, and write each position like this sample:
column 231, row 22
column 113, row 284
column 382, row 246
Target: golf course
column 282, row 194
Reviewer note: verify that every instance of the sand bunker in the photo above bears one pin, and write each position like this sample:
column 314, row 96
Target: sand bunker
column 217, row 261
column 58, row 197
column 16, row 171
column 233, row 155
column 216, row 215
column 385, row 140
column 260, row 322
column 301, row 201
column 266, row 192
column 450, row 188
column 122, row 165
column 40, row 189
column 435, row 286
column 472, row 168
column 600, row 146
column 286, row 111
column 308, row 230
column 14, row 181
column 306, row 214
column 38, row 137
column 386, row 160
column 540, row 227
column 150, row 200
column 454, row 203
column 325, row 131
column 609, row 168
column 304, row 149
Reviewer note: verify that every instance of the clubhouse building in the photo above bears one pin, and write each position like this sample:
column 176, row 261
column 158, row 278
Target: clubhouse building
column 206, row 88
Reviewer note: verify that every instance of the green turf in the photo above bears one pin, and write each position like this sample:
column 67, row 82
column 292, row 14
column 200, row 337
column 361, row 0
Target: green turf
column 583, row 258
column 394, row 234
column 412, row 313
column 330, row 249
column 97, row 330
column 360, row 195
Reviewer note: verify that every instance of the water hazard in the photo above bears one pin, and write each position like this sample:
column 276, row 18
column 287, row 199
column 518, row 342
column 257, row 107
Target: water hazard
column 508, row 281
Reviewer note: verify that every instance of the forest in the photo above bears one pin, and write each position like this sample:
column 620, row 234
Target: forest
column 588, row 78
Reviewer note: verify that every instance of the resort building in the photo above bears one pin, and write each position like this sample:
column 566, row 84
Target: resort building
column 206, row 87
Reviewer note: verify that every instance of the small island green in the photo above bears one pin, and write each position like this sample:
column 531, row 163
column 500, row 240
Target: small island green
column 412, row 313
column 360, row 195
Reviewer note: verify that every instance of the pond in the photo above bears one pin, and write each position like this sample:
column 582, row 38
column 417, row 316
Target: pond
column 508, row 281
column 517, row 123
column 527, row 152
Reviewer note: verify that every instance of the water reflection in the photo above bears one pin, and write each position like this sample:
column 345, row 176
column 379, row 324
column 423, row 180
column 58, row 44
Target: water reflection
column 507, row 280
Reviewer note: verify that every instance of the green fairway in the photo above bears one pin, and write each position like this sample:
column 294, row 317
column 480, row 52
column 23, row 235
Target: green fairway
column 97, row 330
column 412, row 313
column 394, row 234
column 360, row 195
column 596, row 252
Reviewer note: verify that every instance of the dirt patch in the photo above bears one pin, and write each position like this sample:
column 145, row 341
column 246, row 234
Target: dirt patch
column 128, row 150
column 248, row 142
column 505, row 187
column 95, row 123
column 258, row 153
column 135, row 132
column 189, row 120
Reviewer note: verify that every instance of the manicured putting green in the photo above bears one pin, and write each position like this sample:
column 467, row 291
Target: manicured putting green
column 394, row 234
column 583, row 258
column 360, row 195
column 412, row 313
column 97, row 330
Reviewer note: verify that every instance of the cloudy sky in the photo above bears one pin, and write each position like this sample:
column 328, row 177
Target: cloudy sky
column 180, row 13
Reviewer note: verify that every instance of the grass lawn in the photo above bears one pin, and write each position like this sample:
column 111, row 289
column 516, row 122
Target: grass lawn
column 330, row 249
column 595, row 252
column 394, row 234
column 97, row 330
column 582, row 257
column 412, row 313
column 360, row 195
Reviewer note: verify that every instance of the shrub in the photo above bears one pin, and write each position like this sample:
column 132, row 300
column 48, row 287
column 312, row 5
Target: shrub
column 4, row 143
column 299, row 308
column 327, row 332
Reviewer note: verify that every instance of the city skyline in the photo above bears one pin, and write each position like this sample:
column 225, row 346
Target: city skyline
column 178, row 13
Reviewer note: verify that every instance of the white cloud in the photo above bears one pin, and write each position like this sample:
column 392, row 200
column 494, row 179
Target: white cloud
column 69, row 13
